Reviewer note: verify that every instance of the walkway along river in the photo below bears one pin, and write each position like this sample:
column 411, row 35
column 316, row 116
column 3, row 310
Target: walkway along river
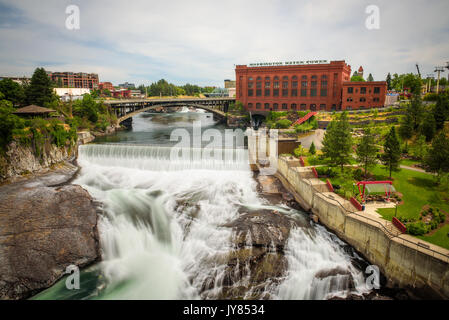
column 196, row 229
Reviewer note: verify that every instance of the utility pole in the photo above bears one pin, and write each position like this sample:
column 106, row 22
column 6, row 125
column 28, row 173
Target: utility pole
column 429, row 82
column 439, row 70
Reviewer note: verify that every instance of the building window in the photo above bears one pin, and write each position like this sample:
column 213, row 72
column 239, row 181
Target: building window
column 267, row 92
column 313, row 107
column 285, row 78
column 314, row 77
column 250, row 79
column 324, row 83
column 258, row 106
column 362, row 99
column 267, row 84
column 350, row 90
column 267, row 106
column 276, row 84
column 376, row 90
column 323, row 92
column 304, row 77
column 334, row 107
column 322, row 107
column 275, row 92
column 348, row 108
column 259, row 84
column 293, row 106
column 323, row 77
column 303, row 83
column 303, row 92
column 303, row 106
column 313, row 83
column 275, row 106
column 349, row 99
column 258, row 92
column 376, row 99
column 250, row 105
column 250, row 85
column 284, row 106
column 250, row 92
column 313, row 92
column 362, row 90
column 294, row 92
column 294, row 84
column 285, row 92
column 284, row 84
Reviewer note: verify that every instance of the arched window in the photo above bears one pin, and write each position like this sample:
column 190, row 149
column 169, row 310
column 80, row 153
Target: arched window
column 258, row 106
column 294, row 78
column 275, row 106
column 285, row 78
column 250, row 105
column 293, row 106
column 314, row 77
column 304, row 77
column 267, row 106
column 284, row 106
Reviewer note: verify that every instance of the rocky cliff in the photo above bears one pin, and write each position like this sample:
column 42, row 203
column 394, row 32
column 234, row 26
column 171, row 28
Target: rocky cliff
column 23, row 159
column 43, row 230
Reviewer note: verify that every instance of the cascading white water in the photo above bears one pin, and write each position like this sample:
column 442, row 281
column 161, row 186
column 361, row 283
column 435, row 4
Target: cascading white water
column 162, row 234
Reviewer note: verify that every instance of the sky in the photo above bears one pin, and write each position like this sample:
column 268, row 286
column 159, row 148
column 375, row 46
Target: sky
column 200, row 42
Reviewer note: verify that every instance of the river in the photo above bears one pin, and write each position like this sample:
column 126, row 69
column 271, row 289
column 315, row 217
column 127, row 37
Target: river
column 165, row 229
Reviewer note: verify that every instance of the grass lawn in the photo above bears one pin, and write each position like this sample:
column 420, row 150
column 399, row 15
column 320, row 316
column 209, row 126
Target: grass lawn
column 418, row 189
column 440, row 237
column 409, row 162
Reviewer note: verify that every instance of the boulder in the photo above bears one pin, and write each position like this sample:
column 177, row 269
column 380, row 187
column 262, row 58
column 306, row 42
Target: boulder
column 43, row 230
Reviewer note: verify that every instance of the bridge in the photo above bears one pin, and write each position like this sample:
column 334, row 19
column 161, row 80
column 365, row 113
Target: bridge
column 125, row 109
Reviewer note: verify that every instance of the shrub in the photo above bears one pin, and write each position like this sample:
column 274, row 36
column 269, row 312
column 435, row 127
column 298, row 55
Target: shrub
column 417, row 228
column 283, row 124
column 358, row 174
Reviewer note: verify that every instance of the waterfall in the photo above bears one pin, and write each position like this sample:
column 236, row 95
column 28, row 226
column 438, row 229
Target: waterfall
column 162, row 233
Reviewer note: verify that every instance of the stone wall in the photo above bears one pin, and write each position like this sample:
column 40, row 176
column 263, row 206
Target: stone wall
column 398, row 256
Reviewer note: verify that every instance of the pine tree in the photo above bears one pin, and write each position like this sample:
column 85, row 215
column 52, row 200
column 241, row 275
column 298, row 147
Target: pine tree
column 406, row 129
column 392, row 151
column 370, row 77
column 415, row 110
column 389, row 87
column 441, row 111
column 438, row 157
column 312, row 149
column 40, row 90
column 337, row 142
column 367, row 150
column 428, row 126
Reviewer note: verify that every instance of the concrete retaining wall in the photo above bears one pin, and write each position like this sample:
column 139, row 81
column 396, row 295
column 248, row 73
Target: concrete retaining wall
column 403, row 263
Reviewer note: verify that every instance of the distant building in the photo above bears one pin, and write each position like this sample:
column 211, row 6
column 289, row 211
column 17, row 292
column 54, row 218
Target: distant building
column 106, row 86
column 19, row 80
column 67, row 94
column 127, row 85
column 359, row 95
column 360, row 71
column 229, row 83
column 121, row 93
column 74, row 80
column 136, row 94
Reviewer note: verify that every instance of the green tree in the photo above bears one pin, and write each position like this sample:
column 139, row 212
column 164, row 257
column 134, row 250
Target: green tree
column 12, row 91
column 337, row 142
column 388, row 81
column 406, row 129
column 370, row 77
column 312, row 149
column 419, row 148
column 392, row 151
column 428, row 126
column 367, row 150
column 441, row 110
column 415, row 110
column 87, row 108
column 438, row 157
column 8, row 122
column 413, row 82
column 40, row 91
column 356, row 77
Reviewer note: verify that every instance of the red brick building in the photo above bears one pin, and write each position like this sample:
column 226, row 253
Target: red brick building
column 74, row 80
column 106, row 86
column 364, row 95
column 121, row 93
column 301, row 85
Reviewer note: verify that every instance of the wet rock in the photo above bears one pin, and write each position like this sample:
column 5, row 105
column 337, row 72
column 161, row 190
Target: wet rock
column 315, row 218
column 42, row 231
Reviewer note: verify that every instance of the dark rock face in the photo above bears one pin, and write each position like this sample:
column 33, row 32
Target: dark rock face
column 257, row 261
column 42, row 231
